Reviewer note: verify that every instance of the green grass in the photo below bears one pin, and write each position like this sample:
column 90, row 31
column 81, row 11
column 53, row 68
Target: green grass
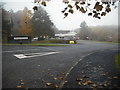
column 117, row 61
column 103, row 41
column 38, row 44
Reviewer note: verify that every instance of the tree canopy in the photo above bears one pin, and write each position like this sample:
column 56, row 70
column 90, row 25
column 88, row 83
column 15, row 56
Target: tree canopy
column 101, row 7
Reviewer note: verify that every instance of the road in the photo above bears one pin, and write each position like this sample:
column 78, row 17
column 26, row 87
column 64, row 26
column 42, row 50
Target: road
column 44, row 67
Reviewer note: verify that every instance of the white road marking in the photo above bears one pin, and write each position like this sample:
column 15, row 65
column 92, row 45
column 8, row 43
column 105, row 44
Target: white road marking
column 30, row 55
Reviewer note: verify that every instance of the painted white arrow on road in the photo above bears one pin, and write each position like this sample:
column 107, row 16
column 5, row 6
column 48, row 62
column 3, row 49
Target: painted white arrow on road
column 30, row 55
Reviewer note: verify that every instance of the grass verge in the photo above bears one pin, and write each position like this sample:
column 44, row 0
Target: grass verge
column 117, row 61
column 38, row 44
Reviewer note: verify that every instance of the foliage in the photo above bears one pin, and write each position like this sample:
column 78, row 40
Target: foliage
column 25, row 23
column 100, row 33
column 42, row 25
column 6, row 27
column 16, row 17
column 84, row 32
column 117, row 61
column 101, row 8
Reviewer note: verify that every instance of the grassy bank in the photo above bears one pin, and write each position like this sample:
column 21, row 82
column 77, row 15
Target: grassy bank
column 101, row 41
column 117, row 61
column 38, row 44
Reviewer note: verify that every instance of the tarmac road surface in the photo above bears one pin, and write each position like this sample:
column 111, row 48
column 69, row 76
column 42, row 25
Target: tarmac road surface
column 44, row 67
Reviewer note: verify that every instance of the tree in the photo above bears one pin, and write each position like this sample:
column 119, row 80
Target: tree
column 84, row 32
column 16, row 17
column 42, row 25
column 101, row 8
column 6, row 28
column 25, row 22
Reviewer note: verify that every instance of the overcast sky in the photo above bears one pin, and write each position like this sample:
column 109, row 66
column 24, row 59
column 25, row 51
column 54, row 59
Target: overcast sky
column 71, row 22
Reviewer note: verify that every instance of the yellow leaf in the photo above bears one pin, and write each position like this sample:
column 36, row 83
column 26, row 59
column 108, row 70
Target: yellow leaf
column 85, row 83
column 43, row 3
column 48, row 84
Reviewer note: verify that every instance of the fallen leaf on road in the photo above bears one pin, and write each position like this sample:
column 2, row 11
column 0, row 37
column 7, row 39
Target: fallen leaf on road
column 79, row 83
column 103, row 74
column 48, row 84
column 85, row 83
column 105, row 85
column 21, row 80
column 55, row 78
column 22, row 83
column 79, row 79
column 82, row 72
column 115, row 77
column 56, row 86
column 89, row 82
column 19, row 86
column 60, row 78
column 85, row 76
column 62, row 72
column 94, row 85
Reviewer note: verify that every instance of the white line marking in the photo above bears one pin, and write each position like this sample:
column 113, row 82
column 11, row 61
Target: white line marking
column 30, row 55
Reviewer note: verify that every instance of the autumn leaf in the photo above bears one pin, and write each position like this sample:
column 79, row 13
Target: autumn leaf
column 103, row 13
column 48, row 84
column 94, row 12
column 62, row 72
column 22, row 83
column 71, row 11
column 77, row 7
column 108, row 9
column 96, row 15
column 60, row 78
column 43, row 3
column 99, row 17
column 115, row 77
column 85, row 76
column 70, row 6
column 35, row 8
column 89, row 14
column 88, row 4
column 105, row 2
column 79, row 79
column 21, row 80
column 98, row 7
column 94, row 85
column 19, row 86
column 89, row 82
column 66, row 14
column 79, row 83
column 82, row 10
column 76, row 3
column 66, row 1
column 55, row 78
column 82, row 3
column 56, row 86
column 85, row 83
column 35, row 1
